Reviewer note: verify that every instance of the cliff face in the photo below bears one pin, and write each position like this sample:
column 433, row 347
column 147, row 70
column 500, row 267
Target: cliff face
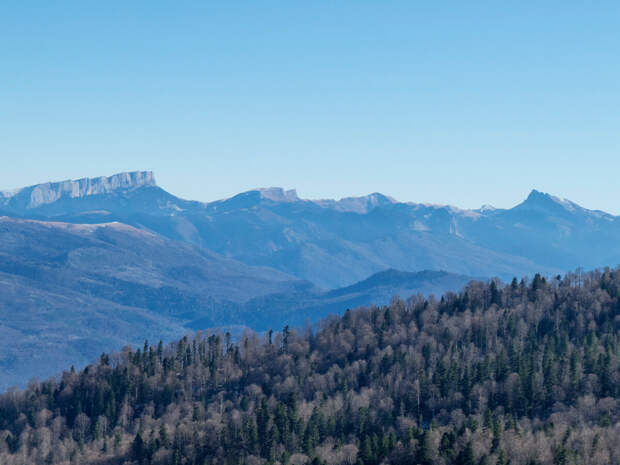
column 41, row 194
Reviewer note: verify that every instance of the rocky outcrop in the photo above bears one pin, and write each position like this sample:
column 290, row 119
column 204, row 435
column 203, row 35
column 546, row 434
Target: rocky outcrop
column 41, row 194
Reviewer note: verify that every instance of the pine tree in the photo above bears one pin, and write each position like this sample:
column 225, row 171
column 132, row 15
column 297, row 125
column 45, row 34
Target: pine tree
column 137, row 448
column 423, row 454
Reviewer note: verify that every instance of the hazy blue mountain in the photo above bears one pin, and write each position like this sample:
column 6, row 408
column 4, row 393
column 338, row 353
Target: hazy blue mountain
column 122, row 196
column 71, row 291
column 553, row 232
column 378, row 289
column 334, row 243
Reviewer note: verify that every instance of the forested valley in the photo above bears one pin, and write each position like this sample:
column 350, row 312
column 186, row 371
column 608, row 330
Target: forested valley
column 526, row 373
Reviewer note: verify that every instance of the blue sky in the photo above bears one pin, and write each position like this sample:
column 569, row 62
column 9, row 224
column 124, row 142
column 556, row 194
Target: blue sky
column 446, row 102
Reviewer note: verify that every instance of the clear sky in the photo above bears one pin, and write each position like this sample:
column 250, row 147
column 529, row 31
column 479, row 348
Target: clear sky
column 446, row 102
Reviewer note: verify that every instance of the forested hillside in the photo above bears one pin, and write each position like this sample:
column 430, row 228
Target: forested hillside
column 524, row 374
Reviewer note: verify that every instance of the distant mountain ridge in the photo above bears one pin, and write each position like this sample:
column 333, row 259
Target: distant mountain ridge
column 398, row 279
column 335, row 243
column 540, row 201
column 307, row 304
column 71, row 291
column 50, row 192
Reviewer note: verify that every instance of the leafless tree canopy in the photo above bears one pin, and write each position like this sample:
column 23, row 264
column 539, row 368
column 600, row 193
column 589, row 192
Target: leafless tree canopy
column 526, row 373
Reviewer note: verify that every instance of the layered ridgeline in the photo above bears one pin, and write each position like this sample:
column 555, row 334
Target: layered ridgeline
column 71, row 291
column 334, row 243
column 90, row 265
column 526, row 374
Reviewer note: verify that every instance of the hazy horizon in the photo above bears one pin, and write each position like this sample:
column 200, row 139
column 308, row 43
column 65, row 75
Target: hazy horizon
column 301, row 196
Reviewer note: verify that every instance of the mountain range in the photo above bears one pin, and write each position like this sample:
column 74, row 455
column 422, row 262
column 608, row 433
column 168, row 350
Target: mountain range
column 71, row 291
column 90, row 265
column 335, row 243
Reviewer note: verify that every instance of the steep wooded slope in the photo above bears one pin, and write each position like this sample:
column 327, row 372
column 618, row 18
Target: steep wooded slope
column 526, row 374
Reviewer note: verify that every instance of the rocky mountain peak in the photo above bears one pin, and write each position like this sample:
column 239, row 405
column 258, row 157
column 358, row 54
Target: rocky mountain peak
column 541, row 200
column 361, row 205
column 50, row 192
column 277, row 194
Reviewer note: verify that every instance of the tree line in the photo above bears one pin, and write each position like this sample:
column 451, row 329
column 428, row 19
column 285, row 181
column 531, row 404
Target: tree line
column 525, row 373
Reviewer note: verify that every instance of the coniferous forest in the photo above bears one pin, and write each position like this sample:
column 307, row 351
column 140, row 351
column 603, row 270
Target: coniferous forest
column 526, row 373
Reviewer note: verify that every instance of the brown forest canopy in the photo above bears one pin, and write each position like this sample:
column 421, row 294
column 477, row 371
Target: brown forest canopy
column 526, row 373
